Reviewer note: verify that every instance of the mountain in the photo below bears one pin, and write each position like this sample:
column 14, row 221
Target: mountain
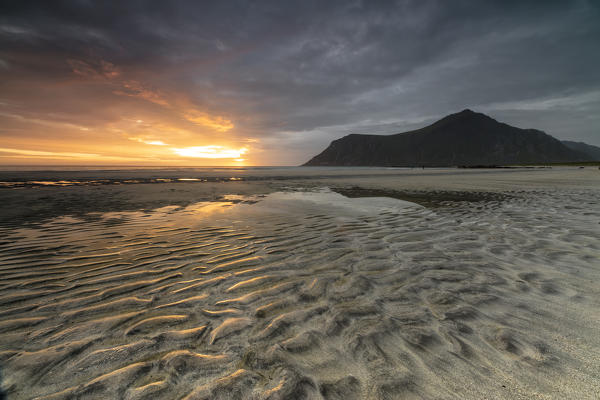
column 461, row 139
column 591, row 151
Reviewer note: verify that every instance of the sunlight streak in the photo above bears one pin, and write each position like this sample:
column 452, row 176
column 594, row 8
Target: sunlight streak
column 210, row 152
column 148, row 141
column 35, row 153
column 68, row 156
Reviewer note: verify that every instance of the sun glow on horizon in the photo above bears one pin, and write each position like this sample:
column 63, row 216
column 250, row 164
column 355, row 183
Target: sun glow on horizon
column 151, row 152
column 212, row 151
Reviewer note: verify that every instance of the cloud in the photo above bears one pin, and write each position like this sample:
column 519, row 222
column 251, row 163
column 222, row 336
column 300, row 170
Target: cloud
column 217, row 123
column 549, row 103
column 45, row 122
column 136, row 89
column 101, row 69
column 294, row 75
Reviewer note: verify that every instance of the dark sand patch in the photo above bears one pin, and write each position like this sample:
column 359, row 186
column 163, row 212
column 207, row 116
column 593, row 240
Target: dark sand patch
column 432, row 199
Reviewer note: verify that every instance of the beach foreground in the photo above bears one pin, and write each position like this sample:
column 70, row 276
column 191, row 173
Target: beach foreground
column 332, row 284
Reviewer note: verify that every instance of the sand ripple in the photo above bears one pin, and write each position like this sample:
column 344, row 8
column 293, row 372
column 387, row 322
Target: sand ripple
column 298, row 297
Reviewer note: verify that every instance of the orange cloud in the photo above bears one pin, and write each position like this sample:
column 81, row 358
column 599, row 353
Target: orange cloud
column 136, row 89
column 133, row 88
column 217, row 123
column 101, row 69
column 45, row 122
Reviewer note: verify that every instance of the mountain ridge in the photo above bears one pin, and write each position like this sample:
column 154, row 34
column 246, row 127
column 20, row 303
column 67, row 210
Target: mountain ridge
column 591, row 150
column 465, row 138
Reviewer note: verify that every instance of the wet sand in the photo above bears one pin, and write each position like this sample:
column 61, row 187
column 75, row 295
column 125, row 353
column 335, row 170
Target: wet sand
column 285, row 288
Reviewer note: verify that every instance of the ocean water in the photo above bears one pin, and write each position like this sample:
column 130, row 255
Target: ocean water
column 19, row 176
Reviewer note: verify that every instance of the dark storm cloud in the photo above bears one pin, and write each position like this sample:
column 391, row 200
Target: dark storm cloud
column 298, row 74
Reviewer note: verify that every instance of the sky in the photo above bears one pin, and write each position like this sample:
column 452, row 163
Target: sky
column 274, row 82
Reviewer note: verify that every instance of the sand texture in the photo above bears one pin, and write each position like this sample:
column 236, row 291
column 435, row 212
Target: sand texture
column 303, row 293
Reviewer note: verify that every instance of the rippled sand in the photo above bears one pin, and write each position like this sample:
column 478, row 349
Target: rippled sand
column 308, row 294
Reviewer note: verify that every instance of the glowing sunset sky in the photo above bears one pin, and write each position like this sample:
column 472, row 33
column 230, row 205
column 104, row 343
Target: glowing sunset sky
column 273, row 82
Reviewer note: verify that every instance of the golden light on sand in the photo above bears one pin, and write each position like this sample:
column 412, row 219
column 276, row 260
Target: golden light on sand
column 211, row 152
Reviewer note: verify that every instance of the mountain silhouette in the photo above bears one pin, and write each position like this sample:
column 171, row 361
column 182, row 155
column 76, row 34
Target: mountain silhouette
column 466, row 138
column 591, row 151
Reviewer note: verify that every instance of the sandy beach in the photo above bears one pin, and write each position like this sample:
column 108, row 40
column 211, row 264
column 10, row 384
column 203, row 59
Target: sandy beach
column 300, row 283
